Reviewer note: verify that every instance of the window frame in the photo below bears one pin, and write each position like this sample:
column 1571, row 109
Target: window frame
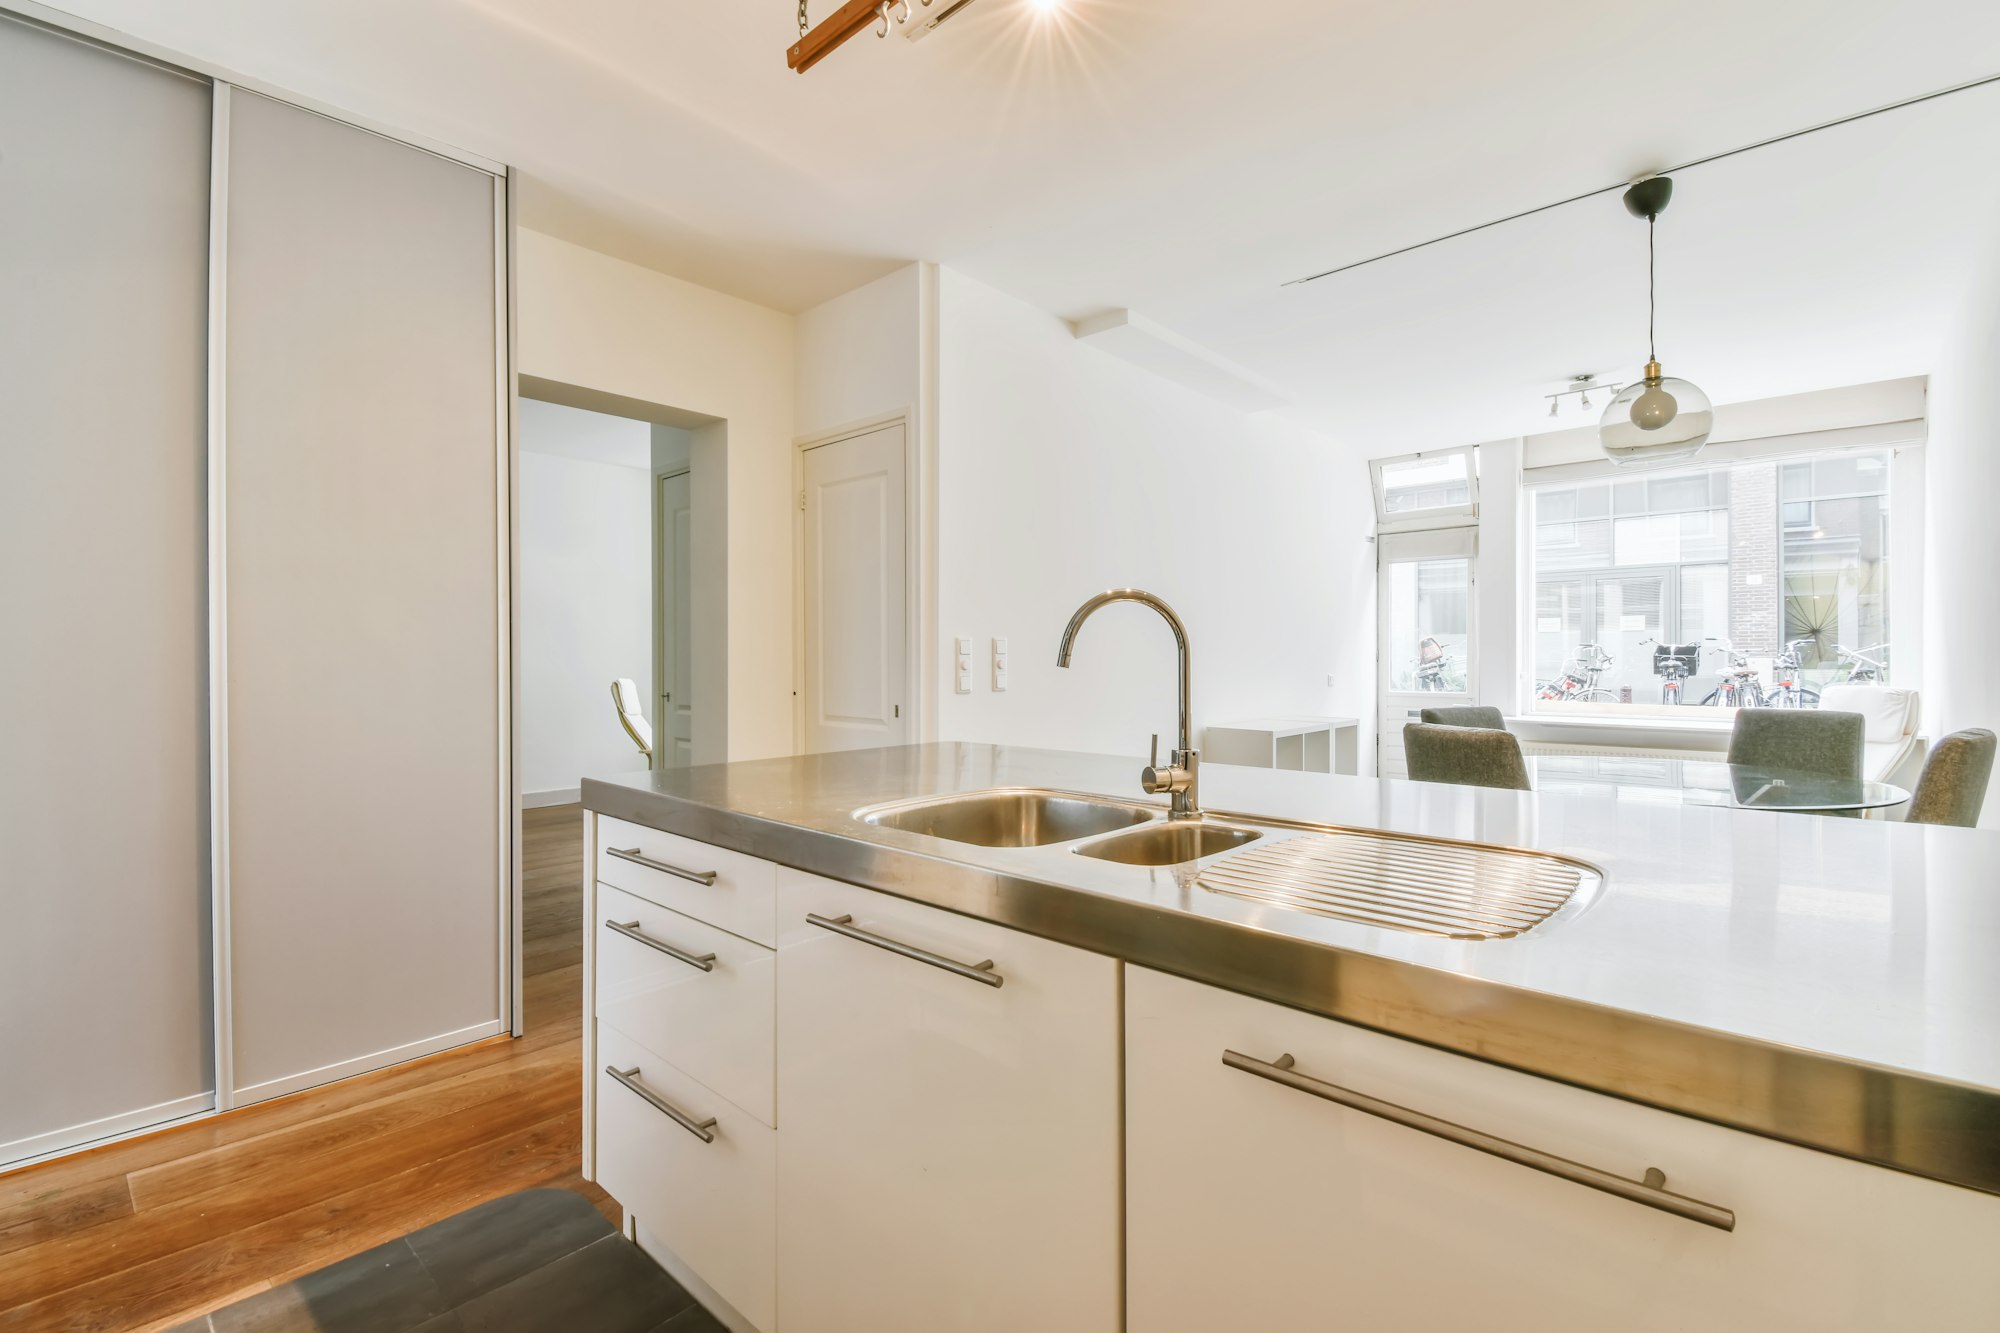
column 1904, row 589
column 1439, row 516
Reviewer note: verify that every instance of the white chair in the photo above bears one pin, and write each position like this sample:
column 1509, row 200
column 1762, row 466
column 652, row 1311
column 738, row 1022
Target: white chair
column 625, row 697
column 1890, row 740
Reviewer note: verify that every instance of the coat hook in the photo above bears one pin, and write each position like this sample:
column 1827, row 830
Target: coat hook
column 882, row 12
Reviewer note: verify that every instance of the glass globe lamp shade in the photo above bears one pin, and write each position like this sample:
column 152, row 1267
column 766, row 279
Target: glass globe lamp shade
column 1658, row 419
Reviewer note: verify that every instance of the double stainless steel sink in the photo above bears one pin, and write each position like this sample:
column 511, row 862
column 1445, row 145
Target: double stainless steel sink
column 1433, row 886
column 1108, row 830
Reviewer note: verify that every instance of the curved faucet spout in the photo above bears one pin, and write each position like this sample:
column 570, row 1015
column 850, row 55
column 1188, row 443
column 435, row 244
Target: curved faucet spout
column 1180, row 778
column 1143, row 598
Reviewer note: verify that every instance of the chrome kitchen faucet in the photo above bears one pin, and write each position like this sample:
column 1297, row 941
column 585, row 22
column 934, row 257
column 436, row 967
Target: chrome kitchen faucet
column 1181, row 779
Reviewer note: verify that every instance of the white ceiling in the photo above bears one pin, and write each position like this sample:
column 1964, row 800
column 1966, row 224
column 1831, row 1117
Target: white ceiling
column 589, row 437
column 1184, row 159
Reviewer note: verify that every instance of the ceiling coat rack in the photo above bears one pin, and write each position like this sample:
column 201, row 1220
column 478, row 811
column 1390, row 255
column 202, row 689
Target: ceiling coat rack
column 847, row 22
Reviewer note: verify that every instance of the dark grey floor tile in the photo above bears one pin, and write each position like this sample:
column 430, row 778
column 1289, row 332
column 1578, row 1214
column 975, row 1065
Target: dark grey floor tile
column 495, row 1243
column 448, row 1322
column 383, row 1290
column 192, row 1326
column 694, row 1319
column 606, row 1287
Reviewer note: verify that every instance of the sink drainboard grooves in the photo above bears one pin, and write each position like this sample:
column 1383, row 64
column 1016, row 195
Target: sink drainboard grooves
column 1435, row 888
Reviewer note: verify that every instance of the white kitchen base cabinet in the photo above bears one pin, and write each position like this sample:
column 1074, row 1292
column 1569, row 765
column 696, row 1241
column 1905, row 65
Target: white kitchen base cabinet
column 708, row 1200
column 1254, row 1205
column 949, row 1150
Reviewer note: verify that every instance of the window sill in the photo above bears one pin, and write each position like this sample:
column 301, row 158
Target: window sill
column 1721, row 722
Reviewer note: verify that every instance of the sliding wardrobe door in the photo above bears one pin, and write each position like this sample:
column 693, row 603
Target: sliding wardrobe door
column 364, row 592
column 104, row 982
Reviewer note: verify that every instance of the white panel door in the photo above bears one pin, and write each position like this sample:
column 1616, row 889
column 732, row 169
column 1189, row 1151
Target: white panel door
column 365, row 743
column 948, row 1149
column 104, row 983
column 676, row 704
column 856, row 568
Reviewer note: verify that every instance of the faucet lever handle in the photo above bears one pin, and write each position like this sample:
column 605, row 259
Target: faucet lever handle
column 1154, row 762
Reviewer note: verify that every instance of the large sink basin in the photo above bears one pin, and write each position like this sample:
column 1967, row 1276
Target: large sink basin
column 1168, row 844
column 1009, row 818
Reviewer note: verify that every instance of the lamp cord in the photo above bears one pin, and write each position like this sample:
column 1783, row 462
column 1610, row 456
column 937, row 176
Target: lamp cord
column 1652, row 292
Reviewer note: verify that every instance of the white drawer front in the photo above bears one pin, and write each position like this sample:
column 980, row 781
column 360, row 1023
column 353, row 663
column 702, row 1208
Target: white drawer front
column 669, row 870
column 716, row 1024
column 711, row 1203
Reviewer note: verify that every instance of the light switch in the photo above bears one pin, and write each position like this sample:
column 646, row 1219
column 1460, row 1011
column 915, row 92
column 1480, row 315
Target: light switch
column 962, row 668
column 1000, row 666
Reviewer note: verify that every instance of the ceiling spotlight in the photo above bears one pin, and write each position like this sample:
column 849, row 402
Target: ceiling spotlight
column 1046, row 6
column 1552, row 406
column 1583, row 399
column 1657, row 419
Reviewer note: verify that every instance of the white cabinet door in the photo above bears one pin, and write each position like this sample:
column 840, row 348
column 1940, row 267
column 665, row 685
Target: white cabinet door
column 949, row 1158
column 1253, row 1205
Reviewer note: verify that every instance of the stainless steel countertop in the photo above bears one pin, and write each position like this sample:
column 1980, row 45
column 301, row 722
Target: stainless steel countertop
column 1829, row 982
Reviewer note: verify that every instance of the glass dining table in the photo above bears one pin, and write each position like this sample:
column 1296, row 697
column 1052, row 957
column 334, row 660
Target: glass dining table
column 1709, row 782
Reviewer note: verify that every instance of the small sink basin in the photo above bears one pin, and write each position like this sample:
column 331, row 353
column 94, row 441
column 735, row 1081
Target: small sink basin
column 1169, row 844
column 1008, row 818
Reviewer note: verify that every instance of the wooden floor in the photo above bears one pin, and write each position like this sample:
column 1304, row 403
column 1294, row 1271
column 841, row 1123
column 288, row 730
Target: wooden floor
column 149, row 1232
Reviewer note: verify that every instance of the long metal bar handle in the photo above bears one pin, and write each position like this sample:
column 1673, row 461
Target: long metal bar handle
column 632, row 854
column 630, row 930
column 701, row 1129
column 1650, row 1191
column 981, row 972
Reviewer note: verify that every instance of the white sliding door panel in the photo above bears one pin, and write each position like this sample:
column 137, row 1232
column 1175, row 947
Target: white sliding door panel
column 104, row 982
column 366, row 870
column 855, row 572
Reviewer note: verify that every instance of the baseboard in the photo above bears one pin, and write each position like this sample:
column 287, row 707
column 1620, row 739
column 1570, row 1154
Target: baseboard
column 57, row 1143
column 365, row 1064
column 535, row 800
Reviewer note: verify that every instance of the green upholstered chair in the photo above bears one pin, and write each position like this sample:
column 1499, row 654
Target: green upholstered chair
column 1468, row 756
column 1795, row 740
column 1953, row 785
column 1466, row 715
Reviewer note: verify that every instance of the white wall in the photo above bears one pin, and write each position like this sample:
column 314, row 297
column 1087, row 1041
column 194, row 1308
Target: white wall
column 868, row 354
column 603, row 325
column 586, row 613
column 859, row 354
column 1063, row 471
column 1962, row 542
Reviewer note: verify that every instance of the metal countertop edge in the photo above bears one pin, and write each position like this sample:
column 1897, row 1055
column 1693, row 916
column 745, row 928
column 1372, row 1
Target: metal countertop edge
column 1898, row 1119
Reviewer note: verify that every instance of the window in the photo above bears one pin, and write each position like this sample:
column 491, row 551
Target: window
column 1756, row 563
column 1430, row 609
column 1427, row 490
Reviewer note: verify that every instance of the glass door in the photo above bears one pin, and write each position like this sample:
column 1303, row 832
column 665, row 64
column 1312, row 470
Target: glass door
column 1424, row 600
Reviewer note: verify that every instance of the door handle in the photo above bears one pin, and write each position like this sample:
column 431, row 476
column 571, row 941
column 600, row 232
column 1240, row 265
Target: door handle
column 629, row 1078
column 632, row 854
column 630, row 930
column 981, row 972
column 1650, row 1191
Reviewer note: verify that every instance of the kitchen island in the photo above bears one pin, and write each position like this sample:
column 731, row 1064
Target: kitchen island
column 1721, row 986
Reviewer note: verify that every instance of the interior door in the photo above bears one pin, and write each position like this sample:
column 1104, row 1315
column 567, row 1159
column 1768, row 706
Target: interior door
column 675, row 712
column 103, row 681
column 856, row 573
column 1424, row 605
